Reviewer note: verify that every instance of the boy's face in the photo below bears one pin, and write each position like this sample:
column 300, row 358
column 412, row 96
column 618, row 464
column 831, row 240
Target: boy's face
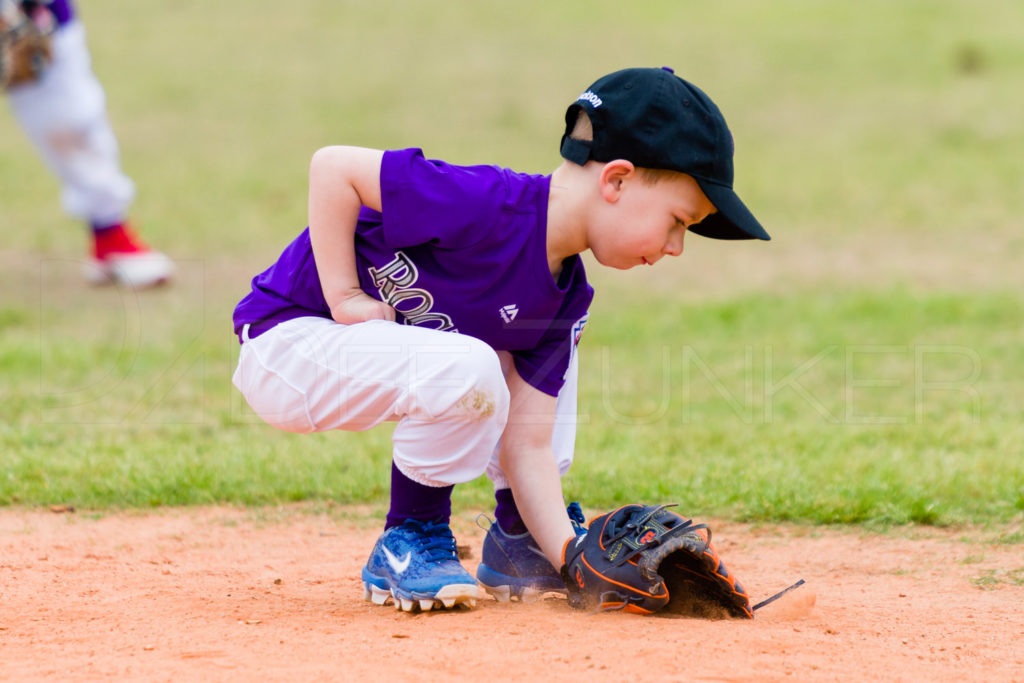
column 639, row 223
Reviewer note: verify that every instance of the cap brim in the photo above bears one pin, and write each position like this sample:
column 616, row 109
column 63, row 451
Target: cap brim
column 733, row 221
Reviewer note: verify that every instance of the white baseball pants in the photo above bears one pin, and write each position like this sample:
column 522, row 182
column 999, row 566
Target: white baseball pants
column 64, row 115
column 446, row 391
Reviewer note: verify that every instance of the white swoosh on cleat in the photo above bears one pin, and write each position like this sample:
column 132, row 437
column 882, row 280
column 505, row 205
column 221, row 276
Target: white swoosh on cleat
column 398, row 565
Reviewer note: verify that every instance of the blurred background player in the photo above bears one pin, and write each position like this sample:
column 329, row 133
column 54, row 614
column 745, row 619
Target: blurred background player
column 61, row 106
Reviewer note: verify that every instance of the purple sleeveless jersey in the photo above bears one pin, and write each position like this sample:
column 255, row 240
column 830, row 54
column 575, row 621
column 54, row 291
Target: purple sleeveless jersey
column 456, row 248
column 63, row 10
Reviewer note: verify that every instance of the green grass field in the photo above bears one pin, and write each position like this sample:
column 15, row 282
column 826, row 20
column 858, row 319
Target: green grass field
column 865, row 367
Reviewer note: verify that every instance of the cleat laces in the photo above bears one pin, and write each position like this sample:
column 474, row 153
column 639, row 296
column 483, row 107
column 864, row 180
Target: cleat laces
column 434, row 541
column 577, row 518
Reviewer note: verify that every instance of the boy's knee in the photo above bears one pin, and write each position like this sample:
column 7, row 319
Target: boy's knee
column 486, row 394
column 472, row 385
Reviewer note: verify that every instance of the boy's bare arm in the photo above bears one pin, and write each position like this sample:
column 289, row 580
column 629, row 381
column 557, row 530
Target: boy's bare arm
column 529, row 464
column 341, row 180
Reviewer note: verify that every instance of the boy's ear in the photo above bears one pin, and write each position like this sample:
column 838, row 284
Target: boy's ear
column 614, row 175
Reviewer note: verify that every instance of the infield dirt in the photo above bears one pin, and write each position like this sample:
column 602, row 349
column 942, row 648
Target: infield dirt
column 221, row 594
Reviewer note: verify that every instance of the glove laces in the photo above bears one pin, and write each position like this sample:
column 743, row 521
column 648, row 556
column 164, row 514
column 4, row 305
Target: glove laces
column 636, row 521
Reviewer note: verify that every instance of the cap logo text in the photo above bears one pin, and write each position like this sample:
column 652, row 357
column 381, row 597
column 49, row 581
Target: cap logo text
column 588, row 96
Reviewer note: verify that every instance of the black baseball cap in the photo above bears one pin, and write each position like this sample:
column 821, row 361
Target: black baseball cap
column 655, row 119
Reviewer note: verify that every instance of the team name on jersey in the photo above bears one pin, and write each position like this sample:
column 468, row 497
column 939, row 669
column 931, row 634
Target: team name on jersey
column 395, row 283
column 588, row 96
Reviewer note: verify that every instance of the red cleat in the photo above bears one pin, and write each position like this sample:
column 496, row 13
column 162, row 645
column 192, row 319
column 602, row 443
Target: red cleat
column 118, row 255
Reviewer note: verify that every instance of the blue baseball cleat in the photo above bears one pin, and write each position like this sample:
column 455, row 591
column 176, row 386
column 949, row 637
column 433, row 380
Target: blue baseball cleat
column 513, row 566
column 415, row 564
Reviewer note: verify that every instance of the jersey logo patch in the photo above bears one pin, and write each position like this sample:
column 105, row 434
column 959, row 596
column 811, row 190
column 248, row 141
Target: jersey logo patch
column 508, row 313
column 577, row 330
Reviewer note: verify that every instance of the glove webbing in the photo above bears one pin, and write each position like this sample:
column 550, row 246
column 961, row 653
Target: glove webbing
column 627, row 537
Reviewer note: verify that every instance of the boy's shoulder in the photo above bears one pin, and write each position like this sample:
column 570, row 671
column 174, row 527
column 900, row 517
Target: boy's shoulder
column 414, row 157
column 410, row 172
column 450, row 205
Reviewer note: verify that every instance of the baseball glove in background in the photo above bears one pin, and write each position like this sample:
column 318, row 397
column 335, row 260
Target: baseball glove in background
column 644, row 559
column 26, row 48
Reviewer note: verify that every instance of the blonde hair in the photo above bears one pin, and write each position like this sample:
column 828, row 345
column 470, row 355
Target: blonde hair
column 583, row 130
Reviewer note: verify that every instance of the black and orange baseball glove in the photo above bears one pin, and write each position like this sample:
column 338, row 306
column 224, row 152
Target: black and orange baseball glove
column 645, row 559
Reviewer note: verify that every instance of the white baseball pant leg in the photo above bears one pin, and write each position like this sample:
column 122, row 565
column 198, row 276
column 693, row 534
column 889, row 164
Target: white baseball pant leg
column 563, row 435
column 446, row 391
column 64, row 115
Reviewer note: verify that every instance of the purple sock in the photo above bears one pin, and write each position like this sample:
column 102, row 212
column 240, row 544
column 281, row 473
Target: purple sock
column 98, row 228
column 507, row 514
column 412, row 500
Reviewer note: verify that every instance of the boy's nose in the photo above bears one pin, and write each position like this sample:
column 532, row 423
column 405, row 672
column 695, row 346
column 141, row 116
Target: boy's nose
column 674, row 246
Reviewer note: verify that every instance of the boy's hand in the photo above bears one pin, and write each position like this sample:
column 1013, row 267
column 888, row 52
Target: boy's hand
column 359, row 307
